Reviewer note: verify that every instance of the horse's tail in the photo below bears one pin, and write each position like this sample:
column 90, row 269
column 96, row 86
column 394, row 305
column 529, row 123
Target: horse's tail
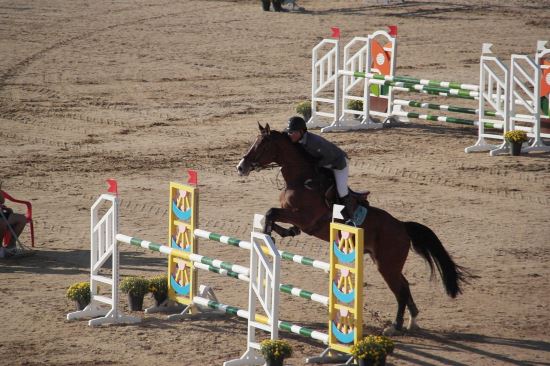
column 427, row 244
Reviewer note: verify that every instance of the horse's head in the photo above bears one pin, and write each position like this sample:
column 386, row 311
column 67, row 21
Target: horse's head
column 263, row 151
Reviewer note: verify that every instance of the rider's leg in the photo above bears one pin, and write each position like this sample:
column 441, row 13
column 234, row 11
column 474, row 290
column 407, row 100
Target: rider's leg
column 341, row 177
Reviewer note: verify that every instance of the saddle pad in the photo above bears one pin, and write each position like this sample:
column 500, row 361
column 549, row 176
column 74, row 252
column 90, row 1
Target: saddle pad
column 359, row 215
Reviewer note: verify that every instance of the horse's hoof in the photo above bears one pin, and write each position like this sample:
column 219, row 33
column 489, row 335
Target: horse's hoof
column 294, row 231
column 413, row 325
column 391, row 331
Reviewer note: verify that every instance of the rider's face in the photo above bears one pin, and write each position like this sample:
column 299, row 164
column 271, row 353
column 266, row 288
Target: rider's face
column 295, row 136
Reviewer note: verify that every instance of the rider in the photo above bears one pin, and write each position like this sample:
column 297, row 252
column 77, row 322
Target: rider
column 328, row 155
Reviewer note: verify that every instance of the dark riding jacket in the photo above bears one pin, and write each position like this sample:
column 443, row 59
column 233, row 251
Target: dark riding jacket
column 327, row 154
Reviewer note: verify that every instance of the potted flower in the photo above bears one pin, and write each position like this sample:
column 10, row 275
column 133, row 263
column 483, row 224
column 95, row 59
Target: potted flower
column 304, row 108
column 158, row 287
column 355, row 105
column 80, row 293
column 277, row 5
column 516, row 138
column 372, row 350
column 275, row 351
column 136, row 288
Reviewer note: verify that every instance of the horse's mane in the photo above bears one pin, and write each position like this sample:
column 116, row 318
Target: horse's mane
column 310, row 160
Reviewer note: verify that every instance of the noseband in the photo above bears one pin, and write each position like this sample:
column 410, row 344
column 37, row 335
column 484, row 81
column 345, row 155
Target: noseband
column 254, row 165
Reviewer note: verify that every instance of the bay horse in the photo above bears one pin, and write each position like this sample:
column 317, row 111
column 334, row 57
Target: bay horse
column 387, row 239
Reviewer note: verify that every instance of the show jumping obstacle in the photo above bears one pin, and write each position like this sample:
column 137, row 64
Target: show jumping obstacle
column 507, row 100
column 345, row 269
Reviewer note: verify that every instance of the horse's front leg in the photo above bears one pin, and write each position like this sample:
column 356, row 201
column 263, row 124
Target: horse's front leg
column 269, row 224
column 284, row 232
column 293, row 217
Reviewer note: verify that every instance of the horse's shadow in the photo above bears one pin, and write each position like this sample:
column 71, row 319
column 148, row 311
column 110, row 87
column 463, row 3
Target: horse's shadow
column 476, row 344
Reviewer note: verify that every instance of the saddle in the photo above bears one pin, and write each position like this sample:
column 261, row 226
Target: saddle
column 326, row 184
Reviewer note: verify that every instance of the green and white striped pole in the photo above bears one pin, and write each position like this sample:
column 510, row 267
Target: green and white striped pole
column 412, row 86
column 397, row 88
column 441, row 107
column 223, row 268
column 289, row 327
column 446, row 92
column 182, row 254
column 461, row 121
column 221, row 271
column 430, row 83
column 285, row 288
column 247, row 245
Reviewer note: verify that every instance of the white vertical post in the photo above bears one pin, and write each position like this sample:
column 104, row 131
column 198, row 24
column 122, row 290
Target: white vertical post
column 361, row 62
column 104, row 246
column 265, row 264
column 525, row 82
column 324, row 80
column 494, row 85
column 352, row 63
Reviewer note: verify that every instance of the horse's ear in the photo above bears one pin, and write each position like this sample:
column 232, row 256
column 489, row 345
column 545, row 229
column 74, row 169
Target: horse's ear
column 260, row 127
column 267, row 129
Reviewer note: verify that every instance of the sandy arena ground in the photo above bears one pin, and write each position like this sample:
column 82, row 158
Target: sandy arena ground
column 141, row 91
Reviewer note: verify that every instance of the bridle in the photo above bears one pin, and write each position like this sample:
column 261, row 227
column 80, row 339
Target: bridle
column 254, row 165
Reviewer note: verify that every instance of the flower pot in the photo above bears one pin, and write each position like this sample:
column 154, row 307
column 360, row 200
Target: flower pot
column 80, row 304
column 160, row 298
column 274, row 362
column 370, row 362
column 135, row 303
column 515, row 148
column 277, row 5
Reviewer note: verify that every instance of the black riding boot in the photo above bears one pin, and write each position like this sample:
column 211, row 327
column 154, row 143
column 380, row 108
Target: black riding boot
column 347, row 201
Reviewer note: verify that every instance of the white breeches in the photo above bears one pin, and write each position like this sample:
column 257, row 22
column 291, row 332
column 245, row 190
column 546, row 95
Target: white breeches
column 341, row 177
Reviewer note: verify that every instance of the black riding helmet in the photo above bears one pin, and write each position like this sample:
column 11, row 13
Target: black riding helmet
column 296, row 123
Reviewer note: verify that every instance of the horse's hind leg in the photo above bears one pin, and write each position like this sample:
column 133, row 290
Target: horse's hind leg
column 411, row 306
column 399, row 285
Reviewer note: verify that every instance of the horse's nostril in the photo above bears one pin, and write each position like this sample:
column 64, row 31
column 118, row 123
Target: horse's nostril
column 240, row 168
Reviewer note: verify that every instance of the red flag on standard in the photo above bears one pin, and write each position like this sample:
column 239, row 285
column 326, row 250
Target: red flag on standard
column 113, row 186
column 335, row 32
column 193, row 179
column 393, row 30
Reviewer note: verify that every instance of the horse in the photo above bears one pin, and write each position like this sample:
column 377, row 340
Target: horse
column 387, row 240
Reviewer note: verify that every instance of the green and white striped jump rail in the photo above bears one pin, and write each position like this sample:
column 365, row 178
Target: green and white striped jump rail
column 298, row 292
column 289, row 327
column 442, row 107
column 411, row 86
column 461, row 121
column 223, row 268
column 247, row 245
column 285, row 288
column 433, row 83
column 182, row 254
column 446, row 92
column 397, row 88
column 221, row 271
